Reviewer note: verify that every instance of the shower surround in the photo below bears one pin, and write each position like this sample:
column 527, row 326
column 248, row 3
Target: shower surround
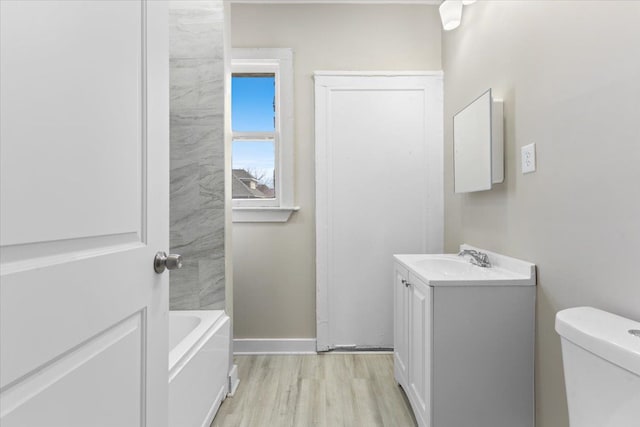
column 197, row 212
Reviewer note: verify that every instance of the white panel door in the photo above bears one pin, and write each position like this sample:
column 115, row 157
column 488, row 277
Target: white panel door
column 378, row 193
column 83, row 209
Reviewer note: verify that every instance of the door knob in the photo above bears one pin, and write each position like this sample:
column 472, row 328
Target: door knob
column 170, row 262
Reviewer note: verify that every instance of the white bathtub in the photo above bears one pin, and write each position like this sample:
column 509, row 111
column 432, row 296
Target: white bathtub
column 198, row 366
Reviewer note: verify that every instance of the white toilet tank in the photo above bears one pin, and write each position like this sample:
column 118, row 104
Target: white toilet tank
column 601, row 357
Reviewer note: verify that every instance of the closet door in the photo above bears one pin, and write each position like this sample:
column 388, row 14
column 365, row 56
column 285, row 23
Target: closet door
column 378, row 192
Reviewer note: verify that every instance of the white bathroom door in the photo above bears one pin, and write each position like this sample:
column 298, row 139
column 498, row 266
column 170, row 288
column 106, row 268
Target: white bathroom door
column 378, row 193
column 83, row 209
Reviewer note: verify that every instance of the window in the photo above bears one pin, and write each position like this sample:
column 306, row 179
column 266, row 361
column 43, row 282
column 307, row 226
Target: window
column 253, row 112
column 262, row 134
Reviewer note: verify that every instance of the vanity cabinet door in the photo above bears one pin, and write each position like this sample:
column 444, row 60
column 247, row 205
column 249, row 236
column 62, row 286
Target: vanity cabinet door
column 401, row 294
column 420, row 338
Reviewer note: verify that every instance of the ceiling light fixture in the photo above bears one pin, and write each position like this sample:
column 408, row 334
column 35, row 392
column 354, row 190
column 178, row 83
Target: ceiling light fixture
column 451, row 14
column 468, row 2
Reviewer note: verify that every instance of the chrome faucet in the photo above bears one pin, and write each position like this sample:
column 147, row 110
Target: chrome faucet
column 477, row 258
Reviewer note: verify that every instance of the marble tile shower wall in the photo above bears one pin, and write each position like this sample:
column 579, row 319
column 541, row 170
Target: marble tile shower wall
column 197, row 153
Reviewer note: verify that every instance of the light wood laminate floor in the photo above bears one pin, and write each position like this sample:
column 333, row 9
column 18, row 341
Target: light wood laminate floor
column 332, row 390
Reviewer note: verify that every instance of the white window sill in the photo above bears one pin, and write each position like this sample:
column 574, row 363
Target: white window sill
column 263, row 214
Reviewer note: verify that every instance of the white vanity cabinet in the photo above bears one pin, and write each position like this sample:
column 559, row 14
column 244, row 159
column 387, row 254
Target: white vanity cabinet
column 412, row 338
column 400, row 323
column 464, row 340
column 420, row 340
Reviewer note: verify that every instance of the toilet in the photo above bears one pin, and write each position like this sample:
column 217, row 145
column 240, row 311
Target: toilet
column 601, row 358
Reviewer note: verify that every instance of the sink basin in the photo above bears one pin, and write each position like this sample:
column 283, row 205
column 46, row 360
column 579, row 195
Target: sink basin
column 455, row 267
column 454, row 270
column 447, row 266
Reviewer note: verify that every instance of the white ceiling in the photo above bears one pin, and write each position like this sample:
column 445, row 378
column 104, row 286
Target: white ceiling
column 429, row 2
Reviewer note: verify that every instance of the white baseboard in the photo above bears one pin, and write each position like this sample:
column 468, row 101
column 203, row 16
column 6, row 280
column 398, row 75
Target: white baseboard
column 214, row 408
column 274, row 346
column 233, row 380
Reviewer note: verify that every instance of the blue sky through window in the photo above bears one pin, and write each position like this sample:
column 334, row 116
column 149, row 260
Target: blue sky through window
column 252, row 104
column 256, row 157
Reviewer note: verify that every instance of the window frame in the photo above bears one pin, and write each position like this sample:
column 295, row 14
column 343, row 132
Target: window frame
column 280, row 63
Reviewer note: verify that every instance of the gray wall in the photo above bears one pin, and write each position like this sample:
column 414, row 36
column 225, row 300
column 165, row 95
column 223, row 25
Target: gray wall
column 274, row 264
column 197, row 213
column 569, row 75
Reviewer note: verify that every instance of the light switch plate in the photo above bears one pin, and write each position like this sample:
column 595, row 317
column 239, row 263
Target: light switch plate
column 528, row 158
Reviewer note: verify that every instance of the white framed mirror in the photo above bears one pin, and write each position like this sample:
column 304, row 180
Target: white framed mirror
column 478, row 147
